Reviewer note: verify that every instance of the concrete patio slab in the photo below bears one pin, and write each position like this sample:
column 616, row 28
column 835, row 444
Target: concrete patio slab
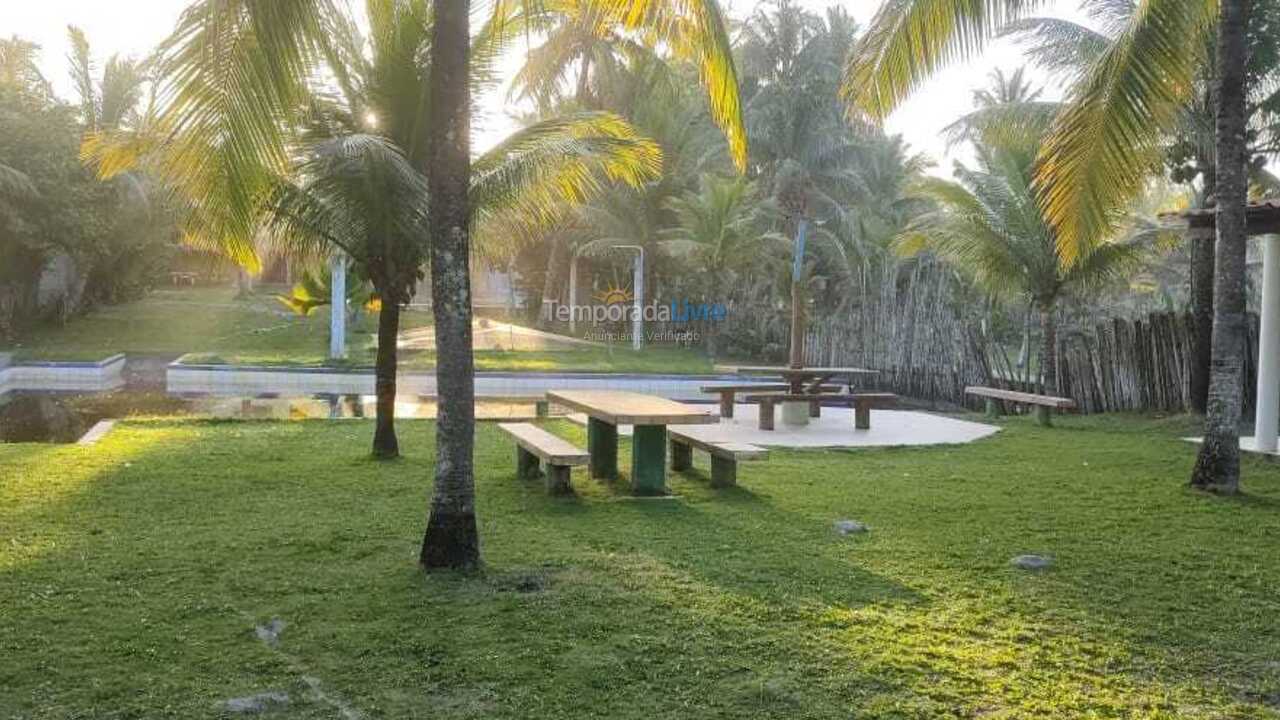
column 835, row 429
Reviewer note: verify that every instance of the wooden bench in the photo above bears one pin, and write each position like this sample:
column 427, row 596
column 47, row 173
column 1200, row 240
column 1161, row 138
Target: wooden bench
column 727, row 393
column 1044, row 403
column 861, row 402
column 724, row 456
column 534, row 444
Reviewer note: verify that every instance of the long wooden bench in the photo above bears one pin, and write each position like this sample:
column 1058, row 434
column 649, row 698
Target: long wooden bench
column 861, row 402
column 728, row 392
column 534, row 444
column 724, row 456
column 1045, row 404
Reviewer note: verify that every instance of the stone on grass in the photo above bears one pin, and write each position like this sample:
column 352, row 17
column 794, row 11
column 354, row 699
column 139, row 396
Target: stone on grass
column 850, row 527
column 270, row 633
column 256, row 703
column 1032, row 562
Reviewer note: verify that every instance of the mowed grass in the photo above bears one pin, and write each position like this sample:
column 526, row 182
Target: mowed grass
column 216, row 326
column 132, row 575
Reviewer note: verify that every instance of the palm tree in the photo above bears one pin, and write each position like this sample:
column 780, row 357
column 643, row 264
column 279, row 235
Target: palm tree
column 1068, row 48
column 803, row 148
column 718, row 228
column 358, row 194
column 106, row 101
column 221, row 140
column 1105, row 143
column 989, row 223
column 693, row 28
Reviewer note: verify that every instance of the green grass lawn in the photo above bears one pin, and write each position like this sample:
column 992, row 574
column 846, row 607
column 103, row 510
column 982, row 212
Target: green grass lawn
column 132, row 575
column 216, row 326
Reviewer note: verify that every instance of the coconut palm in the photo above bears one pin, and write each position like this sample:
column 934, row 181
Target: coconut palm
column 1069, row 48
column 108, row 100
column 989, row 223
column 719, row 228
column 18, row 66
column 1106, row 141
column 234, row 73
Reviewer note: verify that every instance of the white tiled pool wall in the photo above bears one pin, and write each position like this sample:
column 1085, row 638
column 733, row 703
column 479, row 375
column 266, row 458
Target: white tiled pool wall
column 253, row 381
column 100, row 376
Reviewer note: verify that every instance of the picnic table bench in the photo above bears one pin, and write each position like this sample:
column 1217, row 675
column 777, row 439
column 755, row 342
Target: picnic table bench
column 534, row 444
column 648, row 414
column 1044, row 403
column 861, row 402
column 724, row 456
column 729, row 392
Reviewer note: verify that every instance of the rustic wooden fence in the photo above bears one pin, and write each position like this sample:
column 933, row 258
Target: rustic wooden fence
column 1118, row 365
column 1144, row 364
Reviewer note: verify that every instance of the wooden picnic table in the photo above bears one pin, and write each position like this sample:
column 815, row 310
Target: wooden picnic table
column 803, row 380
column 649, row 414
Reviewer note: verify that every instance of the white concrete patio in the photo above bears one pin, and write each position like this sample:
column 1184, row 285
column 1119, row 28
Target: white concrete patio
column 889, row 428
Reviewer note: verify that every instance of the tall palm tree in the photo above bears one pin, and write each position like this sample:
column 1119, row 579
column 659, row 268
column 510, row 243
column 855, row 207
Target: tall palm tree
column 234, row 74
column 692, row 28
column 1068, row 48
column 802, row 146
column 108, row 100
column 1106, row 141
column 989, row 223
column 356, row 191
column 1217, row 466
column 719, row 228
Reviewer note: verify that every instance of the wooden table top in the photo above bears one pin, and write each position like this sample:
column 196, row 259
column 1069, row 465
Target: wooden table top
column 784, row 370
column 619, row 407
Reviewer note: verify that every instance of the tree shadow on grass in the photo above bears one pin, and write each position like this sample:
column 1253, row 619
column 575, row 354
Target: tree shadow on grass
column 731, row 602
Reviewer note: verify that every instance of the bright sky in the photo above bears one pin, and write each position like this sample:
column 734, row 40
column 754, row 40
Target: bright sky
column 134, row 27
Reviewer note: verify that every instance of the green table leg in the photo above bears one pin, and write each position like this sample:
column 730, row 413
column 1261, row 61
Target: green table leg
column 602, row 445
column 649, row 460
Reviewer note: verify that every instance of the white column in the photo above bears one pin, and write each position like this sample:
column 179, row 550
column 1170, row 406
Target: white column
column 637, row 322
column 1268, row 405
column 338, row 306
column 573, row 293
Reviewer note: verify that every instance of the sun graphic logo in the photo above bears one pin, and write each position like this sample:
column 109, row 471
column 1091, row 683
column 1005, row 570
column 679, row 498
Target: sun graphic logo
column 613, row 295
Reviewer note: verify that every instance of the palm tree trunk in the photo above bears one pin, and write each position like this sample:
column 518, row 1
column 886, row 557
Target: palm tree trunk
column 385, row 444
column 1049, row 348
column 1218, row 464
column 451, row 539
column 555, row 259
column 1202, row 298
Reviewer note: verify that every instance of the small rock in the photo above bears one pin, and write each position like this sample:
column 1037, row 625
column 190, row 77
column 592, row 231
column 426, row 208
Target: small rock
column 1032, row 562
column 850, row 527
column 270, row 633
column 256, row 703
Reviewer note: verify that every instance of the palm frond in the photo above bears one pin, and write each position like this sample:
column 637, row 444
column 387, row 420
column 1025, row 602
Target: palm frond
column 82, row 76
column 566, row 160
column 230, row 73
column 1057, row 45
column 1106, row 142
column 909, row 40
column 697, row 31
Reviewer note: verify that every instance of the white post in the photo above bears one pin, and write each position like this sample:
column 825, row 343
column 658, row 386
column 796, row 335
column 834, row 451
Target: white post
column 573, row 293
column 637, row 322
column 1268, row 405
column 337, row 306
